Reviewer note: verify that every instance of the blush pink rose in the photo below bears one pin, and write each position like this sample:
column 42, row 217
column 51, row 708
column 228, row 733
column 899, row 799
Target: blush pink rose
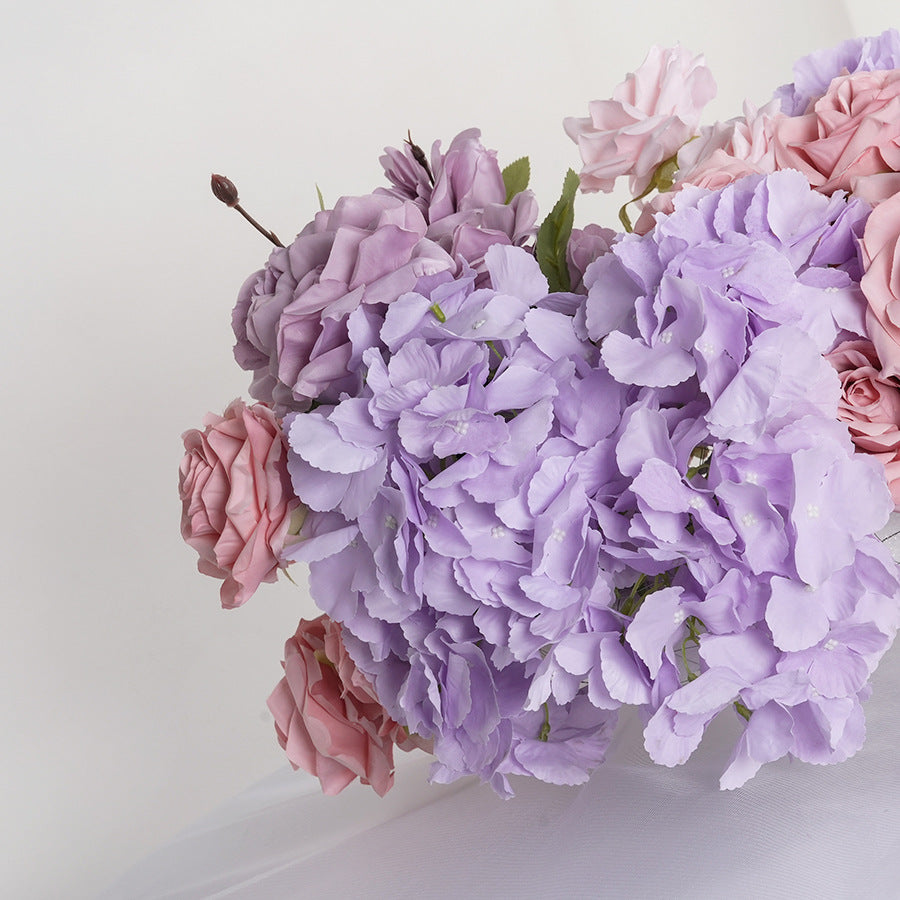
column 719, row 155
column 237, row 502
column 870, row 405
column 730, row 150
column 851, row 133
column 327, row 717
column 651, row 114
column 881, row 282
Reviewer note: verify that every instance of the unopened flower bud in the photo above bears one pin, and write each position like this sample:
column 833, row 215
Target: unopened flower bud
column 224, row 190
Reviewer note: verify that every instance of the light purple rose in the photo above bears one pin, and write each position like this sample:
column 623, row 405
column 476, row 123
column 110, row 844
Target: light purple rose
column 465, row 203
column 290, row 320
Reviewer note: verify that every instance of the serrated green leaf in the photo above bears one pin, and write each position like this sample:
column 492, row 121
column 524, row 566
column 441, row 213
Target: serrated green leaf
column 516, row 177
column 553, row 237
column 321, row 198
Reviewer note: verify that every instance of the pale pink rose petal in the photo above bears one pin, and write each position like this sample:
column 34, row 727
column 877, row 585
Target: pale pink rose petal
column 651, row 114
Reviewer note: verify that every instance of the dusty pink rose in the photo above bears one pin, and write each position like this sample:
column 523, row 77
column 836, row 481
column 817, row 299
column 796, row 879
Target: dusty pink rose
column 651, row 114
column 851, row 133
column 870, row 405
column 327, row 716
column 236, row 496
column 881, row 282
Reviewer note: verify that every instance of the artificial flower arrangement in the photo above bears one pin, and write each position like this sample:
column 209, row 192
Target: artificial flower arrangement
column 542, row 473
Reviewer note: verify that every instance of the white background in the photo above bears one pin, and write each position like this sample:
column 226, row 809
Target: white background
column 130, row 702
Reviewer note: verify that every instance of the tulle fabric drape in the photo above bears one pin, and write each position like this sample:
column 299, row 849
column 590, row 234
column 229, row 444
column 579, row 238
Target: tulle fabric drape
column 634, row 830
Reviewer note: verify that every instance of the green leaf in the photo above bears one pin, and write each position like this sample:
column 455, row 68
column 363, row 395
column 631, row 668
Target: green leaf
column 516, row 177
column 321, row 198
column 553, row 237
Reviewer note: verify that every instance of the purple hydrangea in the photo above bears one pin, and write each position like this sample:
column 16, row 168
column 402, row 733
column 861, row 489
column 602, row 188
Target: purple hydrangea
column 535, row 508
column 739, row 482
column 449, row 531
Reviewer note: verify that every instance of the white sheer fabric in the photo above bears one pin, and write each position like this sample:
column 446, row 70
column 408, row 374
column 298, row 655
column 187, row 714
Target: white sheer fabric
column 635, row 830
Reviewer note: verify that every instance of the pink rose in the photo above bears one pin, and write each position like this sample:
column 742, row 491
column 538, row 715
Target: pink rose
column 236, row 496
column 730, row 150
column 719, row 155
column 881, row 282
column 870, row 405
column 851, row 133
column 651, row 114
column 327, row 716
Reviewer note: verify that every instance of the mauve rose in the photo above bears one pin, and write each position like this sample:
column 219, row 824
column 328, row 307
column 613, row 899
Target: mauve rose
column 327, row 717
column 290, row 320
column 651, row 114
column 851, row 132
column 870, row 405
column 237, row 502
column 880, row 282
column 466, row 208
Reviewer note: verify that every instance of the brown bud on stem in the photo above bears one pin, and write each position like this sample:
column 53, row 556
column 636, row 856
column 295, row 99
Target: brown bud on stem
column 419, row 156
column 223, row 189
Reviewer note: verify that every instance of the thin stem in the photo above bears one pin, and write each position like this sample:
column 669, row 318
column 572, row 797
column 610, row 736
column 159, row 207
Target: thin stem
column 270, row 235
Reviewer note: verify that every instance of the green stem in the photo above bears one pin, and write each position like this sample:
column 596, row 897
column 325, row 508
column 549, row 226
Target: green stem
column 629, row 607
column 662, row 180
column 623, row 212
column 544, row 733
column 693, row 625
